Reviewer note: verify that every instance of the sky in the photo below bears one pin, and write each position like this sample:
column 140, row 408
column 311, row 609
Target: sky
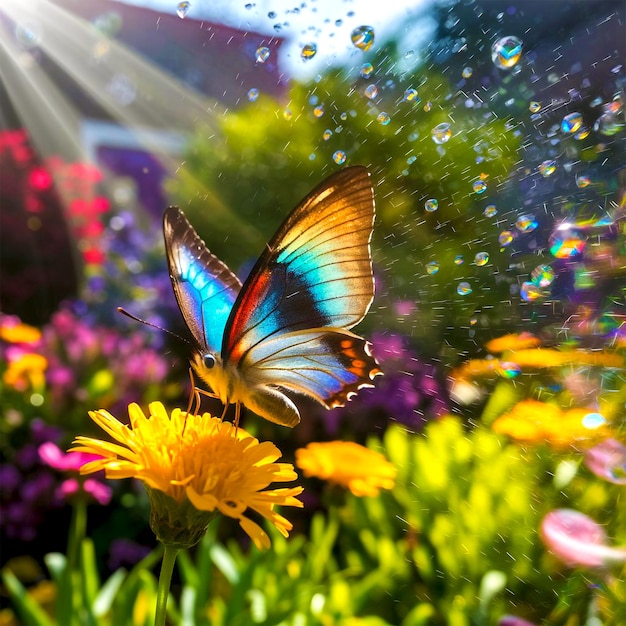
column 327, row 23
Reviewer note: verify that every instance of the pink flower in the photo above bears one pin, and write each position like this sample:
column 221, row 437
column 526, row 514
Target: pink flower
column 577, row 540
column 72, row 487
column 608, row 461
column 53, row 456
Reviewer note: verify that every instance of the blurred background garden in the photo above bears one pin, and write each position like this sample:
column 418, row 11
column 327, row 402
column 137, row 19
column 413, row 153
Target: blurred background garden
column 494, row 132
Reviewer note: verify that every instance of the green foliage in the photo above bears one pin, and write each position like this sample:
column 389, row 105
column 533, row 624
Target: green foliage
column 455, row 542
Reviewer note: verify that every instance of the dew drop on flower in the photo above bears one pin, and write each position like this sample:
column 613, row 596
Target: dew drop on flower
column 508, row 369
column 363, row 37
column 530, row 291
column 547, row 168
column 182, row 9
column 441, row 133
column 464, row 288
column 367, row 69
column 467, row 72
column 490, row 210
column 459, row 260
column 506, row 237
column 253, row 94
column 593, row 420
column 534, row 106
column 262, row 54
column 571, row 123
column 583, row 133
column 566, row 244
column 506, row 52
column 318, row 111
column 327, row 134
column 339, row 157
column 479, row 186
column 543, row 275
column 383, row 118
column 308, row 51
column 526, row 223
column 431, row 205
column 371, row 91
column 608, row 124
column 481, row 259
column 410, row 95
column 432, row 268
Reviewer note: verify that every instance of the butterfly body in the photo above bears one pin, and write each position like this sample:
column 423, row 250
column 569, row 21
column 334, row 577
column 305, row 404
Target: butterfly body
column 287, row 328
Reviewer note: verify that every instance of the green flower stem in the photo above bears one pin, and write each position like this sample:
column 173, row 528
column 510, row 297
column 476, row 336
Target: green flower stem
column 165, row 578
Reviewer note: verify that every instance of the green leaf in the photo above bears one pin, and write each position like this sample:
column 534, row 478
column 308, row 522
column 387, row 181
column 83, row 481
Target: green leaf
column 31, row 613
column 104, row 600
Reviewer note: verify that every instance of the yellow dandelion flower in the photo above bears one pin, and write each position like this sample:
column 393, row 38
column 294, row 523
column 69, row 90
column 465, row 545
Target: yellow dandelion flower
column 26, row 371
column 19, row 333
column 346, row 463
column 545, row 357
column 193, row 467
column 531, row 421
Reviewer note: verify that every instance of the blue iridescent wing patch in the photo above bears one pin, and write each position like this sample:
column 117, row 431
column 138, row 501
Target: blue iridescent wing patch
column 205, row 288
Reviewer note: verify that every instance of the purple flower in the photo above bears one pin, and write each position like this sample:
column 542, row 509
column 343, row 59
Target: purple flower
column 125, row 553
column 577, row 540
column 512, row 620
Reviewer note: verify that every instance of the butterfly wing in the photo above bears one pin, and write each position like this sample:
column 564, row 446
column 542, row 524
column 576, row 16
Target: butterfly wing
column 288, row 327
column 205, row 288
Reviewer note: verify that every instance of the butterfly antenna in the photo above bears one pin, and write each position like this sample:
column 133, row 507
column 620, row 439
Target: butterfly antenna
column 138, row 319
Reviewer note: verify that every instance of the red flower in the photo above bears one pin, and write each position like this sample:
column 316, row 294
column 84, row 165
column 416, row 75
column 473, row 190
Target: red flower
column 40, row 179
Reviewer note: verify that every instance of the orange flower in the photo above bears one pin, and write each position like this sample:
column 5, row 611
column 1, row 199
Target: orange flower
column 531, row 421
column 513, row 342
column 346, row 463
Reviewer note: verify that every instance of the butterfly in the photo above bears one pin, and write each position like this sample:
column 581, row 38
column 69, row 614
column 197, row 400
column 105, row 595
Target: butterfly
column 287, row 328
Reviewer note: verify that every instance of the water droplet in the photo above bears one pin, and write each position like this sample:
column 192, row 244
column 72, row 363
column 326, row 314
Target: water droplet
column 308, row 51
column 343, row 117
column 508, row 369
column 367, row 69
column 467, row 72
column 411, row 160
column 253, row 94
column 431, row 205
column 327, row 134
column 608, row 124
column 410, row 95
column 271, row 15
column 432, row 268
column 182, row 9
column 288, row 114
column 543, row 275
column 339, row 157
column 428, row 106
column 506, row 237
column 530, row 292
column 262, row 54
column 547, row 168
column 593, row 420
column 526, row 223
column 464, row 288
column 28, row 34
column 441, row 133
column 490, row 210
column 481, row 259
column 479, row 186
column 459, row 260
column 506, row 52
column 363, row 37
column 583, row 181
column 534, row 107
column 571, row 123
column 371, row 91
column 319, row 110
column 383, row 118
column 583, row 133
column 566, row 244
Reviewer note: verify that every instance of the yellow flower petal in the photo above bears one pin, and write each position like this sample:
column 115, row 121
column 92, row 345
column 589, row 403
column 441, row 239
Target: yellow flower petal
column 198, row 461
